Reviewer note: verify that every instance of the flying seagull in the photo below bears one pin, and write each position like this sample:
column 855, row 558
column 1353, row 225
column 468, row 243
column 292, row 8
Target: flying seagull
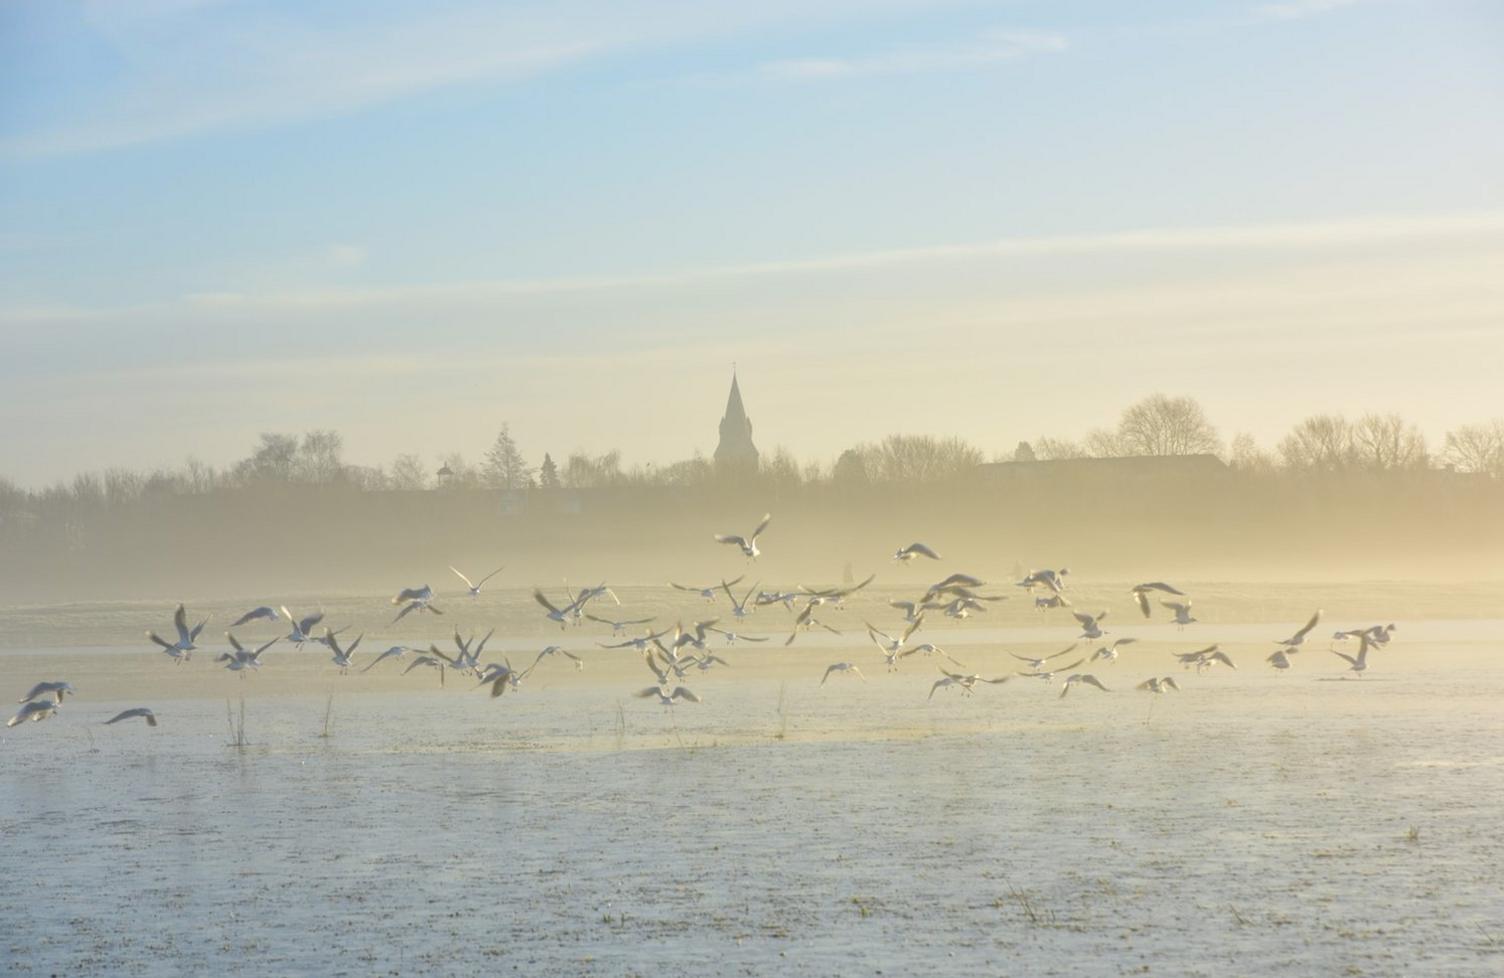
column 57, row 690
column 748, row 545
column 256, row 614
column 475, row 586
column 140, row 711
column 905, row 554
column 1140, row 593
column 1295, row 640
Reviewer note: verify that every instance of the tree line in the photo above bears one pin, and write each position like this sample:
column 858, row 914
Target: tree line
column 1158, row 425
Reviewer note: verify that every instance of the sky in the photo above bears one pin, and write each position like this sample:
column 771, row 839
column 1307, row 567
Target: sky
column 414, row 222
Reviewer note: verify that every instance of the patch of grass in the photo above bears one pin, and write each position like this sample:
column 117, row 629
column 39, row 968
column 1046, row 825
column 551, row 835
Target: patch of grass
column 237, row 723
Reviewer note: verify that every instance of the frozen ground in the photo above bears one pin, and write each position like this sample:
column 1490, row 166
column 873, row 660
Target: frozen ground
column 1254, row 824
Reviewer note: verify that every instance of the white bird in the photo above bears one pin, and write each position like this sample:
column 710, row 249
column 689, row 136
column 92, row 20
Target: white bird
column 733, row 637
column 967, row 683
column 665, row 697
column 556, row 650
column 344, row 658
column 748, row 545
column 1140, row 593
column 1091, row 625
column 186, row 635
column 502, row 677
column 888, row 643
column 426, row 661
column 1038, row 664
column 36, row 710
column 396, row 651
column 140, row 711
column 1054, row 580
column 640, row 644
column 1295, row 640
column 740, row 609
column 57, row 690
column 843, row 667
column 1359, row 662
column 424, row 594
column 1110, row 652
column 1188, row 659
column 617, row 627
column 906, row 554
column 1048, row 675
column 708, row 591
column 417, row 604
column 1081, row 678
column 1213, row 658
column 565, row 615
column 475, row 586
column 241, row 659
column 256, row 614
column 302, row 628
column 1182, row 612
column 930, row 648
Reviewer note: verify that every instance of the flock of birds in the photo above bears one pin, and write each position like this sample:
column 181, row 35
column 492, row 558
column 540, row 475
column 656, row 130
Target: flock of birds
column 673, row 654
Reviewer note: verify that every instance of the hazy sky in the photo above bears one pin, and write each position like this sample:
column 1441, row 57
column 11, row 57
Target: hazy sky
column 414, row 221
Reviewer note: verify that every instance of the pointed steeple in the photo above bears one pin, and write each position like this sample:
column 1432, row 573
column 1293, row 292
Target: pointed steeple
column 736, row 449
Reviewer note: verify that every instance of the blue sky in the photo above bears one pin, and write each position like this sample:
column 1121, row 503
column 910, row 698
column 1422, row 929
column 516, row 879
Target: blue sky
column 415, row 221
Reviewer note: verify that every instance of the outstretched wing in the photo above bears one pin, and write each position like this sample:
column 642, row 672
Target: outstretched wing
column 458, row 573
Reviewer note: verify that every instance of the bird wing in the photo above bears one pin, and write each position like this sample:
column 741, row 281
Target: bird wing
column 539, row 597
column 683, row 693
column 265, row 647
column 1351, row 659
column 460, row 574
column 1086, row 620
column 306, row 625
column 161, row 641
column 180, row 622
column 766, row 519
column 1065, row 651
column 1142, row 597
column 407, row 609
column 1094, row 681
column 730, row 538
column 234, row 642
column 922, row 550
column 1221, row 657
column 1309, row 625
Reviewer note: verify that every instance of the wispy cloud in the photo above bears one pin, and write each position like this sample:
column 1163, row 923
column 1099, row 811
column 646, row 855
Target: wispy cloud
column 1301, row 9
column 991, row 48
column 1300, row 236
column 170, row 68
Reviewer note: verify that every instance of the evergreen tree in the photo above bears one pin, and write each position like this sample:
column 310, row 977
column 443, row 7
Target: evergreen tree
column 548, row 473
column 505, row 467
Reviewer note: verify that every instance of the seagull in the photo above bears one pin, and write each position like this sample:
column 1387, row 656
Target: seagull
column 887, row 642
column 666, row 698
column 475, row 586
column 1294, row 640
column 739, row 609
column 1279, row 659
column 843, row 667
column 1091, row 626
column 748, row 545
column 910, row 610
column 503, row 677
column 640, row 644
column 1211, row 659
column 1049, row 675
column 1110, row 652
column 57, row 690
column 1182, row 612
column 256, row 614
column 1378, row 635
column 240, row 659
column 708, row 592
column 556, row 650
column 1140, row 593
column 733, row 637
column 344, row 658
column 424, row 594
column 416, row 604
column 37, row 710
column 806, row 620
column 836, row 595
column 950, row 585
column 1195, row 658
column 186, row 635
column 302, row 629
column 1359, row 662
column 140, row 711
column 1048, row 601
column 617, row 627
column 966, row 682
column 905, row 554
column 1082, row 678
column 397, row 651
column 428, row 661
column 706, row 660
column 554, row 613
column 1054, row 580
column 1159, row 685
column 930, row 648
column 1038, row 664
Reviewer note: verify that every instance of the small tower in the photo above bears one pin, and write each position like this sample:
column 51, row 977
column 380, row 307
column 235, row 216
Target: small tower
column 736, row 451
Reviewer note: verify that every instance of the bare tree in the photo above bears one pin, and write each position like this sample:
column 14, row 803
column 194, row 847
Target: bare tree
column 1477, row 448
column 1387, row 443
column 318, row 460
column 1320, row 443
column 582, row 471
column 272, row 460
column 409, row 472
column 1056, row 449
column 1162, row 425
column 1245, row 455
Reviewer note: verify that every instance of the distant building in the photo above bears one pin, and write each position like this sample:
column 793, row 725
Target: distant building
column 736, row 450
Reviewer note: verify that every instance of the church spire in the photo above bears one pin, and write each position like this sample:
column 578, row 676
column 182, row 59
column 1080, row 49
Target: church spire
column 736, row 449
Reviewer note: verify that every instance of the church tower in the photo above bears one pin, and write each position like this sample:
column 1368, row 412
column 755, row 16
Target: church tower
column 736, row 450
